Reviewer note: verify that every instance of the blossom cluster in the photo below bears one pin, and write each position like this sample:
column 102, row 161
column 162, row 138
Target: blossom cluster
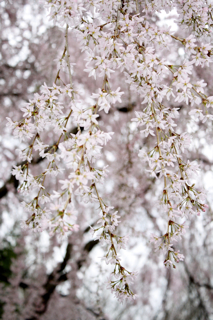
column 116, row 38
column 54, row 210
column 193, row 14
column 180, row 199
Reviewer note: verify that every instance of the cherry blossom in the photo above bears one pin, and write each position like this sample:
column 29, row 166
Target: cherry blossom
column 119, row 40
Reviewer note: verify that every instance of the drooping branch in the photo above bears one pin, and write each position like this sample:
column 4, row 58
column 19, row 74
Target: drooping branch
column 13, row 181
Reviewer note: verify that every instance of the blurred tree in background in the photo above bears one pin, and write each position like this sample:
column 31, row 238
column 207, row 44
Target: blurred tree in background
column 126, row 60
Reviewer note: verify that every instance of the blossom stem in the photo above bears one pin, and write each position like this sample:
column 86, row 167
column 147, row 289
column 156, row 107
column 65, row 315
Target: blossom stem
column 68, row 57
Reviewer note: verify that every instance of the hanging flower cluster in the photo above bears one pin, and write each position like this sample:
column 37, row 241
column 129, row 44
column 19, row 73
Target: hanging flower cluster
column 116, row 36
